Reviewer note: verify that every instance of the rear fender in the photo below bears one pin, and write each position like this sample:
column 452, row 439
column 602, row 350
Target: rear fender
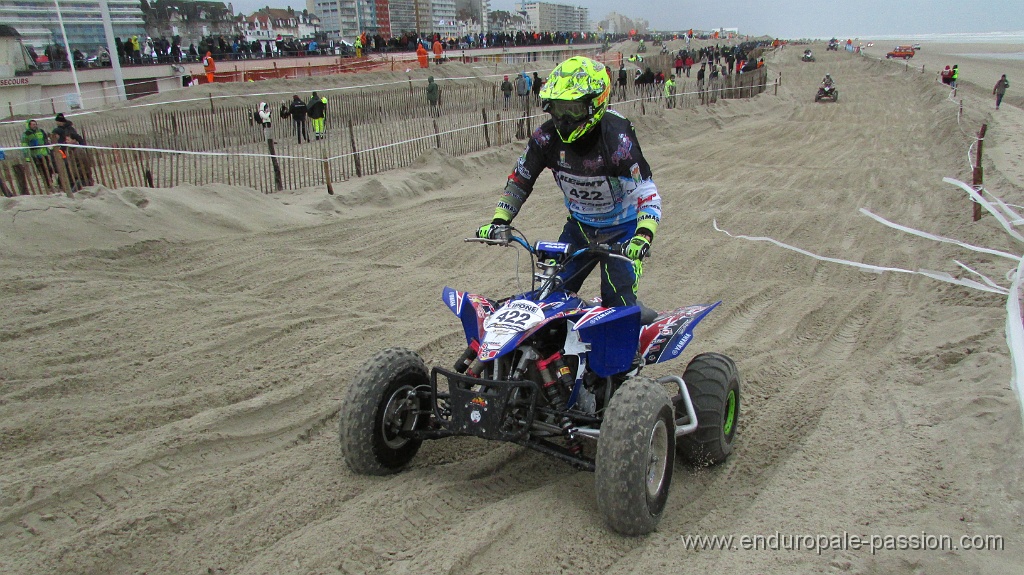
column 666, row 338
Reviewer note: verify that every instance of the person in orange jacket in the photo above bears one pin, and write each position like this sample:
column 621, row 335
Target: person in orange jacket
column 421, row 55
column 438, row 51
column 209, row 66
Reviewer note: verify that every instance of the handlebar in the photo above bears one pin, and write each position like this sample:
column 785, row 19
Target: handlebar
column 504, row 236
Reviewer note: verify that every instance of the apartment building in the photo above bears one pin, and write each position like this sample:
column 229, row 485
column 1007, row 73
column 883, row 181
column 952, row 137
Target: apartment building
column 37, row 22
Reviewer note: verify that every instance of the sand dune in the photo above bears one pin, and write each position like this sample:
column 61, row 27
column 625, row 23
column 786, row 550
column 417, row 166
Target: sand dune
column 172, row 359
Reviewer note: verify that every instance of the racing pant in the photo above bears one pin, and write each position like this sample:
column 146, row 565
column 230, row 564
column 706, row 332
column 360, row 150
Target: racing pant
column 619, row 278
column 318, row 128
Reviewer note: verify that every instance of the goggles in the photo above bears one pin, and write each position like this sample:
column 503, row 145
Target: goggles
column 568, row 110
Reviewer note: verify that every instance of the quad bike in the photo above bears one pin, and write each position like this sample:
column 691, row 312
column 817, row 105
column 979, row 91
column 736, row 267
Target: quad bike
column 808, row 56
column 827, row 93
column 558, row 374
column 833, row 45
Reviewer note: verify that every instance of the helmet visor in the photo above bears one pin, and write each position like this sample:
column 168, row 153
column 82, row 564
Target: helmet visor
column 568, row 111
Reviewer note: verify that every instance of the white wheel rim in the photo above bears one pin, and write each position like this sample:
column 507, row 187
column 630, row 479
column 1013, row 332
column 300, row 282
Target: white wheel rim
column 657, row 459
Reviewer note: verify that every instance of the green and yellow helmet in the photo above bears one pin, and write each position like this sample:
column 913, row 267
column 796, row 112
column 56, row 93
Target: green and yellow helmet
column 576, row 96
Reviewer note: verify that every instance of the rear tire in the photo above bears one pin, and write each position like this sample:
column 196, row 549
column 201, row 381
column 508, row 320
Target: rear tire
column 635, row 457
column 376, row 406
column 714, row 385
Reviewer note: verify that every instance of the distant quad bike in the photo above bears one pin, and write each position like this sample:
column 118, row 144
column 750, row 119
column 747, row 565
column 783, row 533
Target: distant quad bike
column 827, row 93
column 561, row 375
column 833, row 45
column 808, row 56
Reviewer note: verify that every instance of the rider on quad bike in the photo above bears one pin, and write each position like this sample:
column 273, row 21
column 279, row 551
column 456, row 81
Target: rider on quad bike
column 547, row 369
column 827, row 90
column 597, row 163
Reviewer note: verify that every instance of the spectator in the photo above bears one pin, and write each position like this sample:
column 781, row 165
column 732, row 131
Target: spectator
column 623, row 79
column 317, row 114
column 536, row 88
column 421, row 55
column 433, row 94
column 670, row 91
column 523, row 90
column 1000, row 89
column 34, row 141
column 298, row 110
column 438, row 51
column 506, row 89
column 263, row 116
column 77, row 164
column 209, row 66
column 954, row 77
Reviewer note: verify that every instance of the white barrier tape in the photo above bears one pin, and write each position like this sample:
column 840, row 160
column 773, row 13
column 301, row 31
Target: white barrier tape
column 182, row 152
column 1015, row 335
column 941, row 276
column 929, row 236
column 988, row 206
column 1006, row 208
column 982, row 276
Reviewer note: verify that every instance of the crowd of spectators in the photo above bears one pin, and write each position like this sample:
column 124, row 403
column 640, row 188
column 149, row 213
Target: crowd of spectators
column 136, row 50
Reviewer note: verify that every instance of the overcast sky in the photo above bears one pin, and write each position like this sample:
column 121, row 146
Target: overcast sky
column 791, row 18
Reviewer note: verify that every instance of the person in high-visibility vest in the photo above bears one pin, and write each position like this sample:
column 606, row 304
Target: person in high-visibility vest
column 209, row 66
column 359, row 47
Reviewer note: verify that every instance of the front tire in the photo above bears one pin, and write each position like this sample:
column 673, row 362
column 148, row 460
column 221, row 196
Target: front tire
column 714, row 385
column 635, row 457
column 377, row 406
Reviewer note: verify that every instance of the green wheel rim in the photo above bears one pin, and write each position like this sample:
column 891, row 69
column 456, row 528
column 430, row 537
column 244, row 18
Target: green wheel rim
column 730, row 412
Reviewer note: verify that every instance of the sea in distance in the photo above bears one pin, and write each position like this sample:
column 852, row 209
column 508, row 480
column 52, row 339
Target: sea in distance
column 951, row 38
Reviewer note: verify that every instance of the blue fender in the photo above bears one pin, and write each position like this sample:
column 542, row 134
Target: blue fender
column 613, row 333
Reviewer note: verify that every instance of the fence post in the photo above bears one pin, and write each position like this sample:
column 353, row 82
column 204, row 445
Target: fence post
column 355, row 153
column 21, row 178
column 327, row 175
column 979, row 172
column 437, row 135
column 277, row 167
column 212, row 111
column 487, row 135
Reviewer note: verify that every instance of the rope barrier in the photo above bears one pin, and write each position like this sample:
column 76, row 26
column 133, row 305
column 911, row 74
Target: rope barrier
column 375, row 148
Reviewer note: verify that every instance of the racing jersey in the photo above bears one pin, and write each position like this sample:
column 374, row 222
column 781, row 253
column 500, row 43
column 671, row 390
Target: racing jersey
column 604, row 177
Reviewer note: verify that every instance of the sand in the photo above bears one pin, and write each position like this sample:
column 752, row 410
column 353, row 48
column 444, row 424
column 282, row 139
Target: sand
column 172, row 359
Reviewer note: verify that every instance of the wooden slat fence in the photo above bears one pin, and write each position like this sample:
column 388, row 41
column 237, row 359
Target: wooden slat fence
column 368, row 132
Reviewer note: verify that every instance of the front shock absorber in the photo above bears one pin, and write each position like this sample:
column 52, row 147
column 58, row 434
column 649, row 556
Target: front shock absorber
column 558, row 380
column 467, row 358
